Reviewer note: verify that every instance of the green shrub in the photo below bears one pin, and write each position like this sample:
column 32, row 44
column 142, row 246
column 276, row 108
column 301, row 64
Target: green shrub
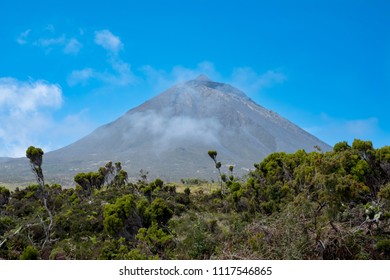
column 383, row 246
column 29, row 253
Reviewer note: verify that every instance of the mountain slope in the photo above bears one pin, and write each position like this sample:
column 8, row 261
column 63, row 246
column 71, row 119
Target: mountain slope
column 170, row 134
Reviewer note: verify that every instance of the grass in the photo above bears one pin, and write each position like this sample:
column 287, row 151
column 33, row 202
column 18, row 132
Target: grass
column 206, row 188
column 13, row 186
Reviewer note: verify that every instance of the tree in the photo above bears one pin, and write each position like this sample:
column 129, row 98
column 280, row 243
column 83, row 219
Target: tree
column 341, row 146
column 231, row 177
column 364, row 148
column 113, row 175
column 4, row 196
column 89, row 181
column 143, row 177
column 213, row 155
column 35, row 155
column 121, row 218
column 159, row 212
column 374, row 173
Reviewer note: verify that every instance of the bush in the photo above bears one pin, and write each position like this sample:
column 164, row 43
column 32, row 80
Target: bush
column 29, row 253
column 383, row 246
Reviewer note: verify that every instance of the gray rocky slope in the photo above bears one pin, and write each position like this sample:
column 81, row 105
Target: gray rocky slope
column 170, row 134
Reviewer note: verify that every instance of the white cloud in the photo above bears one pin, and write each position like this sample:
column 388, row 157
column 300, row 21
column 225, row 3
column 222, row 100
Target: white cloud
column 17, row 96
column 170, row 129
column 27, row 117
column 24, row 113
column 121, row 75
column 108, row 41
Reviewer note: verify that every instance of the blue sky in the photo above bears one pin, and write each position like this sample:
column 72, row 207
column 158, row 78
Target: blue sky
column 67, row 67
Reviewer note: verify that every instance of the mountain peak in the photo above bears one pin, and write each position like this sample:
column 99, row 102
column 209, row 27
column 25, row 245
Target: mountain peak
column 202, row 82
column 203, row 77
column 170, row 134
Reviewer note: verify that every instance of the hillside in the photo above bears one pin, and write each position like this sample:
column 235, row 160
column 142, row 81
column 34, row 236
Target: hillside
column 333, row 205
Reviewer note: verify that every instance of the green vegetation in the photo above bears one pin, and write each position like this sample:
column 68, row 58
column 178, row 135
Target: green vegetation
column 333, row 205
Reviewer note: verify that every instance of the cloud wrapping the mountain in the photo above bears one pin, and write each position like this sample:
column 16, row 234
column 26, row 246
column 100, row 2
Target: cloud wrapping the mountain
column 170, row 130
column 162, row 80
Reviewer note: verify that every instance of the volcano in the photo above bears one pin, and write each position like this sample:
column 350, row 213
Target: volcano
column 169, row 135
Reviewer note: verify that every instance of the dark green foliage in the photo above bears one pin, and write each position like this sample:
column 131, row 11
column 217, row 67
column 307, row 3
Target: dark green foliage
column 110, row 176
column 155, row 241
column 159, row 212
column 383, row 246
column 35, row 156
column 333, row 205
column 193, row 181
column 30, row 253
column 89, row 181
column 121, row 218
column 212, row 154
column 158, row 183
column 199, row 242
column 4, row 197
column 6, row 223
column 222, row 177
column 341, row 146
column 187, row 191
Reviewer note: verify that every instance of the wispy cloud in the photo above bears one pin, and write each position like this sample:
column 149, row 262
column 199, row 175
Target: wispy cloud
column 121, row 75
column 81, row 76
column 49, row 40
column 108, row 41
column 161, row 79
column 119, row 72
column 362, row 128
column 244, row 78
column 22, row 38
column 169, row 130
column 72, row 46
